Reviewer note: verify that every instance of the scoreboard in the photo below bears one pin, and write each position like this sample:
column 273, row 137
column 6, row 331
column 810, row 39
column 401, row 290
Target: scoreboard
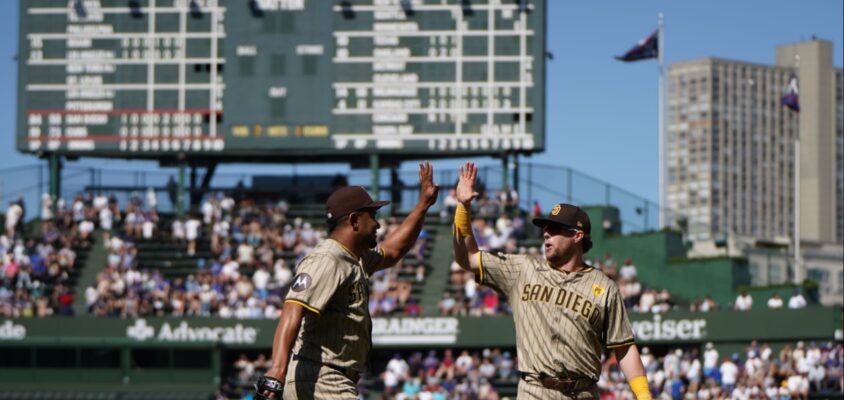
column 263, row 78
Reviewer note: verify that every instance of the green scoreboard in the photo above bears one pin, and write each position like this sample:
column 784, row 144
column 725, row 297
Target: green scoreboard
column 257, row 79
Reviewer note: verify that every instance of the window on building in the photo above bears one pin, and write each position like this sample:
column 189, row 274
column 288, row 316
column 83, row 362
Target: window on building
column 246, row 66
column 309, row 64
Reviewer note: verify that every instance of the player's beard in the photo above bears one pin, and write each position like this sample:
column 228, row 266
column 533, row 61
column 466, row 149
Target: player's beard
column 558, row 255
column 372, row 240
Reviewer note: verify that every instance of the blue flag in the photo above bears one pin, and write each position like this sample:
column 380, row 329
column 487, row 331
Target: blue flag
column 645, row 49
column 791, row 98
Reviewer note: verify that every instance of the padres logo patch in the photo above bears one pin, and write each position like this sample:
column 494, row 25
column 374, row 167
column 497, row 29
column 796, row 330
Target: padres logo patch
column 301, row 282
column 556, row 209
column 597, row 290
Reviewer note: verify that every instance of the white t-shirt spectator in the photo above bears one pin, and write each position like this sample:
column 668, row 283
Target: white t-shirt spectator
column 775, row 302
column 798, row 384
column 399, row 367
column 796, row 301
column 230, row 270
column 282, row 273
column 486, row 369
column 78, row 210
column 192, row 229
column 464, row 362
column 46, row 207
column 148, row 228
column 152, row 199
column 13, row 215
column 627, row 272
column 91, row 296
column 207, row 212
column 744, row 302
column 245, row 254
column 106, row 218
column 221, row 229
column 86, row 227
column 729, row 372
column 178, row 229
column 227, row 203
column 693, row 372
column 710, row 358
column 260, row 278
column 100, row 202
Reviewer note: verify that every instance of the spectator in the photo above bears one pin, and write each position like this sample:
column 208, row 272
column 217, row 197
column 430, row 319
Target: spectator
column 775, row 302
column 729, row 374
column 710, row 362
column 708, row 304
column 744, row 301
column 797, row 300
column 14, row 214
column 628, row 270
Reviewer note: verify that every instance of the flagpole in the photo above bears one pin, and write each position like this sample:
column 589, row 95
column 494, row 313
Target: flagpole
column 798, row 256
column 661, row 138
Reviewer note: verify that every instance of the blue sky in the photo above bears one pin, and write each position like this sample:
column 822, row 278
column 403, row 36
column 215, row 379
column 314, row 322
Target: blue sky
column 601, row 113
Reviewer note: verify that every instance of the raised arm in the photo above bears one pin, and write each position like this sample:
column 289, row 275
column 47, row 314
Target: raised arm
column 465, row 247
column 399, row 242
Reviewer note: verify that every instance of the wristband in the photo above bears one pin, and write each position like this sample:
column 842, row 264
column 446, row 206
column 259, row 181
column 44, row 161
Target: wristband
column 639, row 386
column 462, row 221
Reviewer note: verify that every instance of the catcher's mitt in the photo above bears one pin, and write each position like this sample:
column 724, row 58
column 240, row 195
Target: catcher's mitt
column 268, row 384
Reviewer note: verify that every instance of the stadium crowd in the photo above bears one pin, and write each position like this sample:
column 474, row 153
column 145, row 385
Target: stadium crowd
column 792, row 372
column 244, row 274
column 35, row 271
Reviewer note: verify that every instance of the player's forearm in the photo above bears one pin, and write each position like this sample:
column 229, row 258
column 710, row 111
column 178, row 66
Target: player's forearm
column 285, row 335
column 631, row 366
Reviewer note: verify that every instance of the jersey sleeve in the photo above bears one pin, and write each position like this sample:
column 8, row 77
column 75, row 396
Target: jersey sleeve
column 373, row 259
column 317, row 279
column 617, row 329
column 499, row 271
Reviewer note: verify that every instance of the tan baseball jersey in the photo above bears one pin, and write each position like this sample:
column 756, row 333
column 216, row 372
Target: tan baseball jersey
column 562, row 319
column 332, row 283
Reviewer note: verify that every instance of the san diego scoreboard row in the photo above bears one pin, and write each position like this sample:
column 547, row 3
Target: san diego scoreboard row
column 146, row 78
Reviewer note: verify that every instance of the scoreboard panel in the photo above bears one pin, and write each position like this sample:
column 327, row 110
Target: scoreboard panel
column 263, row 78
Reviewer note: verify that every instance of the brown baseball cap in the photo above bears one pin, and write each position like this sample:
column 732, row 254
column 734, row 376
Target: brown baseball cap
column 349, row 199
column 567, row 215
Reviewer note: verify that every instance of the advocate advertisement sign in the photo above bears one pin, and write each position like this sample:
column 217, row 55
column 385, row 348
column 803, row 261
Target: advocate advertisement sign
column 814, row 323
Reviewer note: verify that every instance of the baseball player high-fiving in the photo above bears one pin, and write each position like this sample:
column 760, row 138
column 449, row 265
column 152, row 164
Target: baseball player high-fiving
column 324, row 337
column 565, row 311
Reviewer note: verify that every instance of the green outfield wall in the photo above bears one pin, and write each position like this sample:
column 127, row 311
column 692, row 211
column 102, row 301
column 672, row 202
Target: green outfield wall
column 812, row 323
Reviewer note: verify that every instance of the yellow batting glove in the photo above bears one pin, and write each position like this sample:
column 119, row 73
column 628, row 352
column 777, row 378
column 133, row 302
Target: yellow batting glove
column 639, row 386
column 462, row 221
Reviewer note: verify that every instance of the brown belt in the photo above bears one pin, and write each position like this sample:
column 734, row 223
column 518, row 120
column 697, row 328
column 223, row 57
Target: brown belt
column 566, row 386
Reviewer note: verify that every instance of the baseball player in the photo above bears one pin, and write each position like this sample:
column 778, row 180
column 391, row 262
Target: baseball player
column 565, row 311
column 324, row 336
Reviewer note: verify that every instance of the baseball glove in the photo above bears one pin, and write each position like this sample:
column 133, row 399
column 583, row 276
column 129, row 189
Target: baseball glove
column 268, row 384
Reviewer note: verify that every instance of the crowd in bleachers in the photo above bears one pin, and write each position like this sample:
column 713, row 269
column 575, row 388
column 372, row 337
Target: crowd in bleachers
column 791, row 373
column 417, row 375
column 243, row 274
column 35, row 270
column 445, row 375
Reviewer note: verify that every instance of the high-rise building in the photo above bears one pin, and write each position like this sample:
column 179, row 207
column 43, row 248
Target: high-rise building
column 730, row 147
